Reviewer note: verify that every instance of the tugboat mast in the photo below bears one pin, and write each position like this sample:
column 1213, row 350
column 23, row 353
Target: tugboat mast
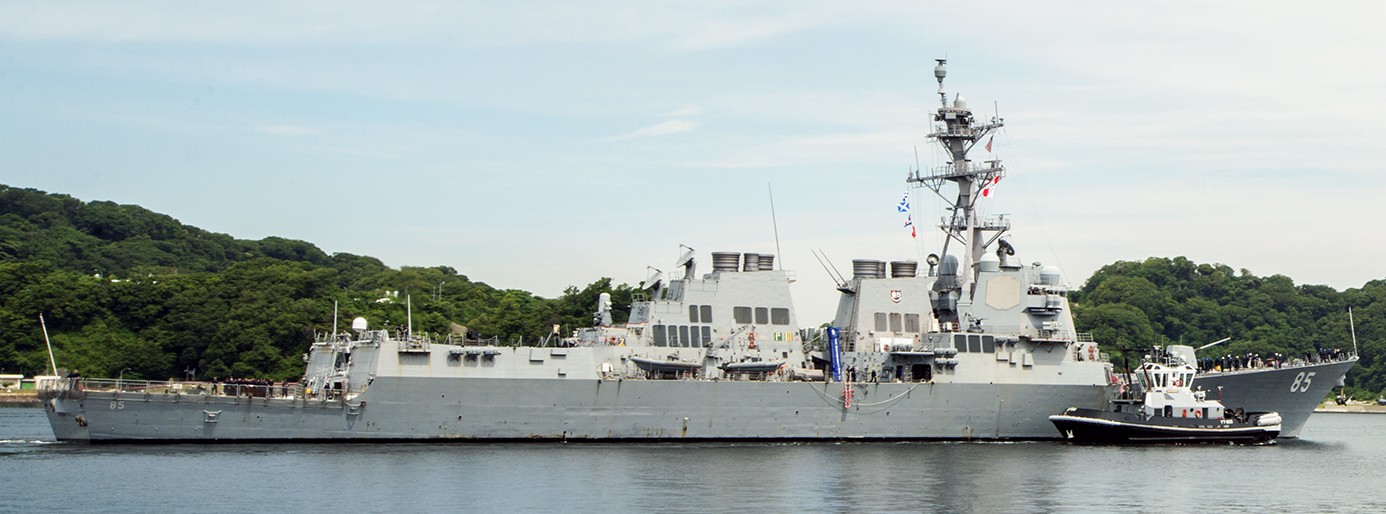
column 957, row 132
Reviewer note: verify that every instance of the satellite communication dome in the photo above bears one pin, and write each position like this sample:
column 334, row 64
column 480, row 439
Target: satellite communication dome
column 1050, row 275
column 989, row 262
column 358, row 324
column 959, row 102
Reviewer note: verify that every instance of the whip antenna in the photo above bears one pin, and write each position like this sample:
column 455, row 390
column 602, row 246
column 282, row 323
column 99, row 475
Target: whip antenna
column 775, row 224
column 51, row 360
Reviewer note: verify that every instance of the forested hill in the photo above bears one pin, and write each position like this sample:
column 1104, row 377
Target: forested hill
column 123, row 288
column 1161, row 301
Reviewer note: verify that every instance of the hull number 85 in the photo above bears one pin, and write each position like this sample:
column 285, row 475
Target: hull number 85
column 1302, row 381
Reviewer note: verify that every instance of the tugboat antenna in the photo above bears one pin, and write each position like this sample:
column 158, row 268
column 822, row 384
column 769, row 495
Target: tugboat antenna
column 1214, row 343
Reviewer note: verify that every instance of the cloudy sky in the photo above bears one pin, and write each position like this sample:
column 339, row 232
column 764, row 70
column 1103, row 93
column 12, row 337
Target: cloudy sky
column 536, row 145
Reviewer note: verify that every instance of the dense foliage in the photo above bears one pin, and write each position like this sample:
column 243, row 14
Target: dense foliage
column 126, row 290
column 1131, row 305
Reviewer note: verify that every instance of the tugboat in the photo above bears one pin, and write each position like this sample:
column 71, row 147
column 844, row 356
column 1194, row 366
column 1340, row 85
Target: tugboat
column 1164, row 408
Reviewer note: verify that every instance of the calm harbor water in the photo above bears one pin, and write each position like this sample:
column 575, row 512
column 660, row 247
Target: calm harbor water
column 1339, row 465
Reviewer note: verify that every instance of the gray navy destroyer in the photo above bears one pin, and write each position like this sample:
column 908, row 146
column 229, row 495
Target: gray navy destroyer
column 977, row 345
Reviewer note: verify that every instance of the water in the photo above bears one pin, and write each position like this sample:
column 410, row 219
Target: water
column 1335, row 467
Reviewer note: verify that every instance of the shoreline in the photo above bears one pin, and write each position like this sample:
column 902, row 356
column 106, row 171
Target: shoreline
column 1352, row 408
column 19, row 399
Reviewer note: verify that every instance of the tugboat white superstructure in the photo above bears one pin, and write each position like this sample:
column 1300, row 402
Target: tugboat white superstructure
column 981, row 347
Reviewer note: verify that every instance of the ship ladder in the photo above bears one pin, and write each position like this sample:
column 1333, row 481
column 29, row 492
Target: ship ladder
column 847, row 392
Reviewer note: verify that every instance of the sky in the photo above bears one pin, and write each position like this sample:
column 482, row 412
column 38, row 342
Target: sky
column 541, row 145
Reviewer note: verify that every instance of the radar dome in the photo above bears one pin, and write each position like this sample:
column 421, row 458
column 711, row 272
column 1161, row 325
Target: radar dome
column 358, row 324
column 959, row 102
column 989, row 262
column 1050, row 275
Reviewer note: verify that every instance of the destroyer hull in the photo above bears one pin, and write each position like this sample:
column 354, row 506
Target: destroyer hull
column 1293, row 392
column 558, row 409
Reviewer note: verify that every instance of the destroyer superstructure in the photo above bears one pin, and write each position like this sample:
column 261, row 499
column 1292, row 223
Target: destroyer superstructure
column 981, row 347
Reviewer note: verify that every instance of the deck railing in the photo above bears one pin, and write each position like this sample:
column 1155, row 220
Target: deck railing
column 229, row 389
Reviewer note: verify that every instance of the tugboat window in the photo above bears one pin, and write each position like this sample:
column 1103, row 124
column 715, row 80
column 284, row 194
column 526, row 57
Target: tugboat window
column 779, row 316
column 742, row 315
column 762, row 316
column 706, row 313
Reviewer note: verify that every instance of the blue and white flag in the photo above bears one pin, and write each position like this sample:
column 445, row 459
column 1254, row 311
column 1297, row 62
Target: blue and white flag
column 904, row 206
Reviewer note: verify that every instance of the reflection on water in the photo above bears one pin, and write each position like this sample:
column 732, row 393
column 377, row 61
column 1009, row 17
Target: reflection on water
column 1339, row 456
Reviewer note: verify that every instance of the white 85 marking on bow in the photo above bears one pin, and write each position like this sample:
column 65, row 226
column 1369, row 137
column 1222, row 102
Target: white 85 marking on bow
column 1302, row 381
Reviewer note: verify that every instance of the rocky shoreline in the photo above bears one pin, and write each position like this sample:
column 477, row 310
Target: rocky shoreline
column 19, row 398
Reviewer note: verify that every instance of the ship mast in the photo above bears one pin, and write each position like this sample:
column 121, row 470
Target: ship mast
column 957, row 132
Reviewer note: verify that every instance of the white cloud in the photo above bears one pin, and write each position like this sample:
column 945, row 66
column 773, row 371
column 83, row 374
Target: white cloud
column 288, row 130
column 658, row 129
column 684, row 112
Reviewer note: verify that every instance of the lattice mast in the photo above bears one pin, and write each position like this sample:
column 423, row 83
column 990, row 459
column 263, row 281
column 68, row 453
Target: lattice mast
column 957, row 132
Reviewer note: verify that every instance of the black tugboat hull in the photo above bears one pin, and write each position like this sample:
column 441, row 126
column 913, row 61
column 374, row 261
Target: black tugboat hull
column 1101, row 427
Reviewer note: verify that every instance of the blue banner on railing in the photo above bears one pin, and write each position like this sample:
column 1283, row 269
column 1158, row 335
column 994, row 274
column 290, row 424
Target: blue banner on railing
column 835, row 352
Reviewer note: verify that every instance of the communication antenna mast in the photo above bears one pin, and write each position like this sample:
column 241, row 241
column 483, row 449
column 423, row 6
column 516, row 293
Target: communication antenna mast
column 51, row 360
column 1353, row 327
column 776, row 224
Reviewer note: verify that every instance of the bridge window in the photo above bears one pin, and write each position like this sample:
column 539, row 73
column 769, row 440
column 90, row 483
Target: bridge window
column 895, row 322
column 683, row 337
column 742, row 315
column 659, row 339
column 880, row 322
column 707, row 336
column 762, row 315
column 706, row 311
column 692, row 313
column 779, row 316
column 912, row 323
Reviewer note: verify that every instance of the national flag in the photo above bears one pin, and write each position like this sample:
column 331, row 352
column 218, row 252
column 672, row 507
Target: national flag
column 909, row 222
column 989, row 143
column 987, row 189
column 904, row 205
